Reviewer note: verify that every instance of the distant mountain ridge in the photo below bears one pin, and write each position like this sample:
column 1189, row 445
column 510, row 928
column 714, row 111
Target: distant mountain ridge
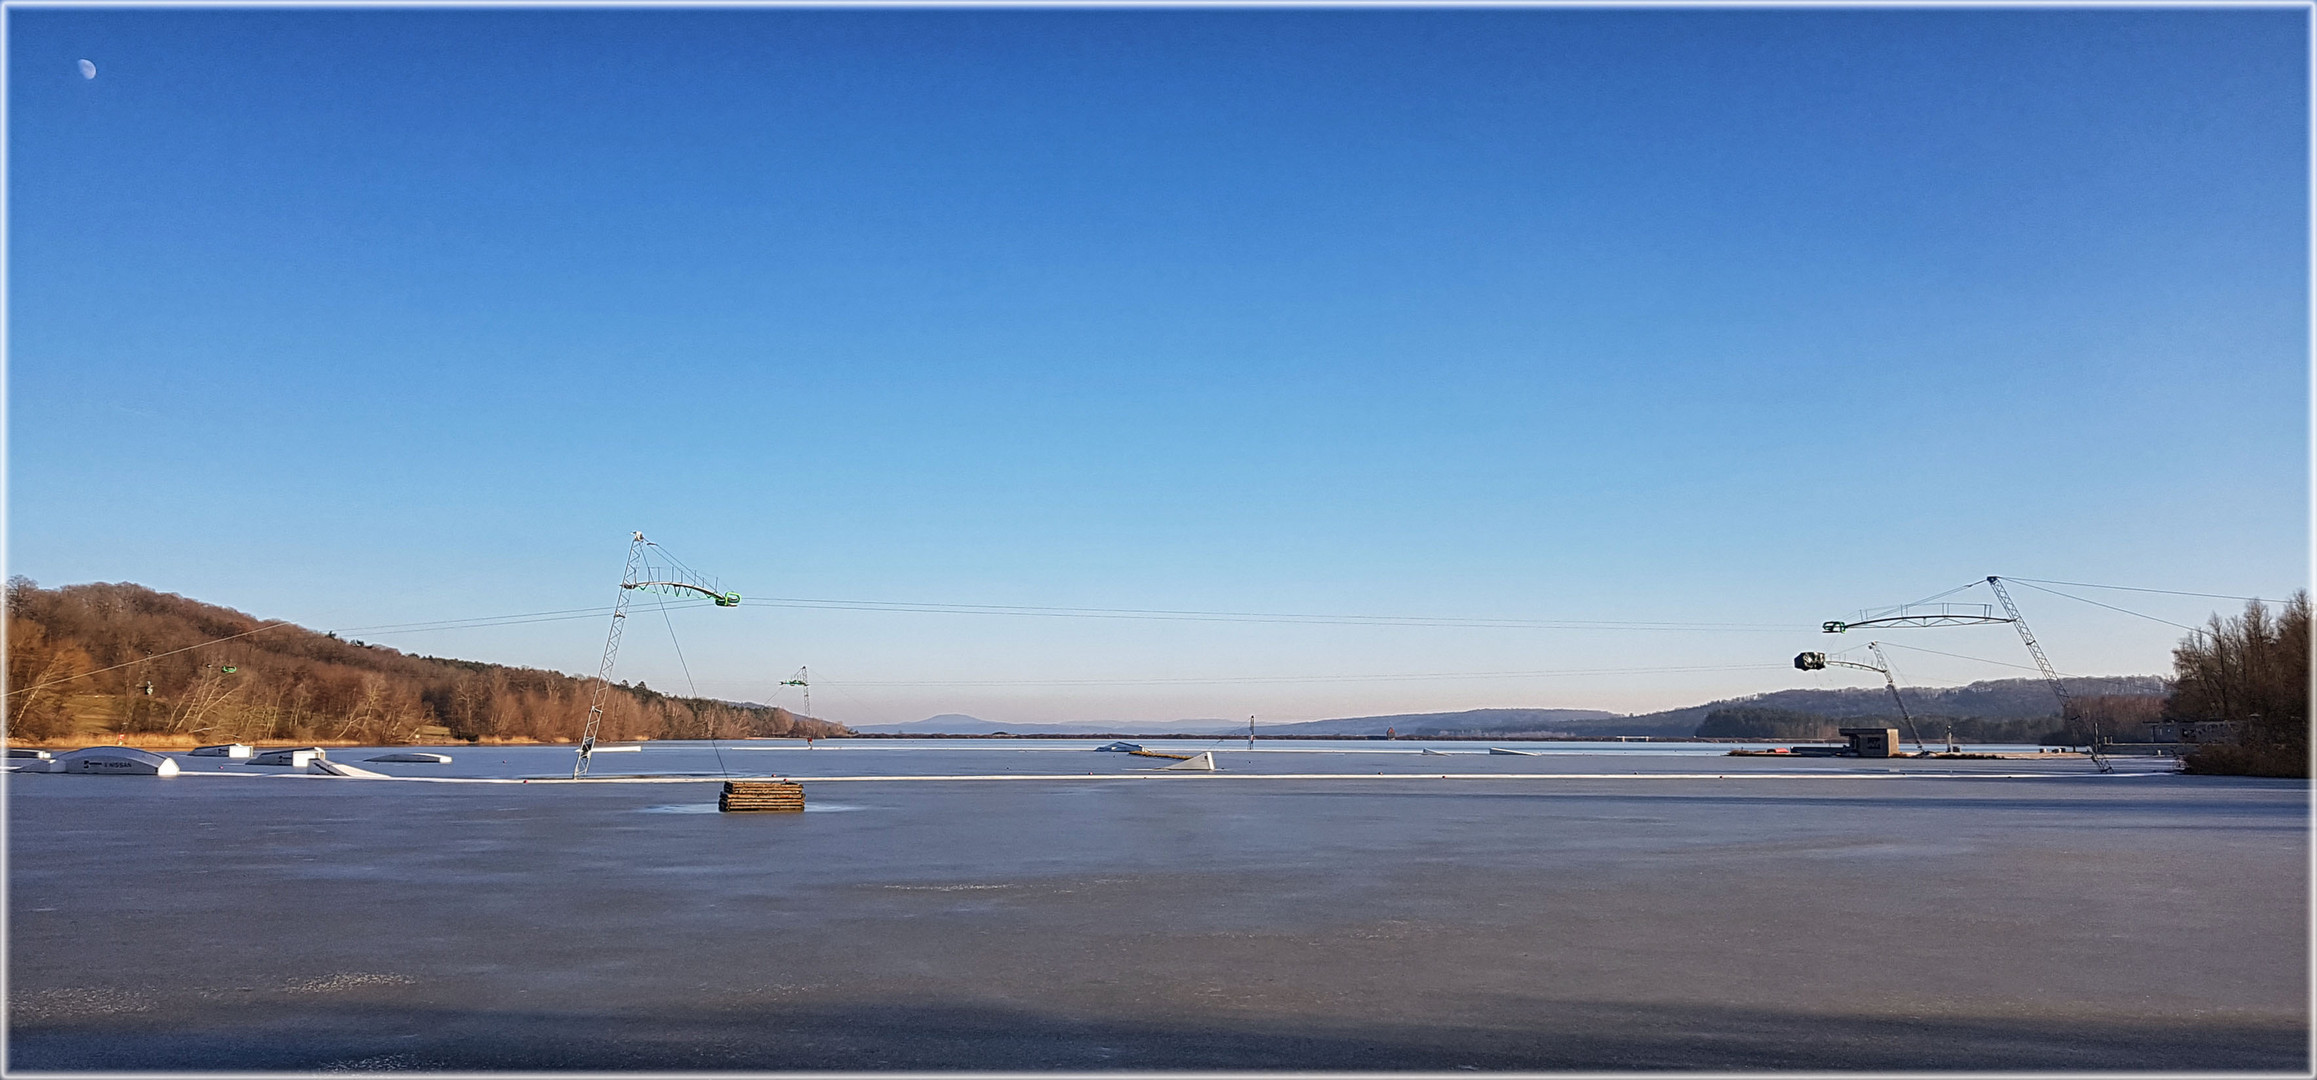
column 1990, row 700
column 961, row 724
column 1996, row 699
column 1468, row 721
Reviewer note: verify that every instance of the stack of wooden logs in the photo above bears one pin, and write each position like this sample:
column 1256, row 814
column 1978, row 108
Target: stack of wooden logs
column 773, row 795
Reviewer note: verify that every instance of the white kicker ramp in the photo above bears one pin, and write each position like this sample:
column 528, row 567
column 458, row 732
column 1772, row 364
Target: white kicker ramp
column 114, row 761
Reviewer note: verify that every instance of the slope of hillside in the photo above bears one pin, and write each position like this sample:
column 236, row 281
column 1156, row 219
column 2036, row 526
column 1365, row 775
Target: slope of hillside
column 1993, row 701
column 961, row 724
column 286, row 682
column 1471, row 721
column 1990, row 700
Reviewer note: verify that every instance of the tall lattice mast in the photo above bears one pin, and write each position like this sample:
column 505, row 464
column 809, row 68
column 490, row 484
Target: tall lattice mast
column 2045, row 666
column 619, row 618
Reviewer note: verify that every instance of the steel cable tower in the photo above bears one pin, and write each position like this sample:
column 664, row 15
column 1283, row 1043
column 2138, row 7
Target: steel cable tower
column 638, row 576
column 803, row 681
column 619, row 618
column 2044, row 665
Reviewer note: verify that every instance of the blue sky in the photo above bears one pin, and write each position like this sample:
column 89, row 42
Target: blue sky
column 357, row 317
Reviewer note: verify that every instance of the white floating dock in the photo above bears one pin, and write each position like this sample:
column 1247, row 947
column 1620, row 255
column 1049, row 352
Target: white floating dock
column 224, row 750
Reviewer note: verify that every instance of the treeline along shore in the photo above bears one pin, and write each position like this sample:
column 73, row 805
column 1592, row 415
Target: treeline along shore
column 100, row 661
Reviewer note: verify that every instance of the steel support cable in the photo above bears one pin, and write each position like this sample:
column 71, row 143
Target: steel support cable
column 1572, row 672
column 823, row 680
column 141, row 659
column 686, row 665
column 2135, row 588
column 671, row 556
column 1167, row 615
column 488, row 623
column 429, row 624
column 1975, row 583
column 1026, row 611
column 2111, row 607
column 1979, row 659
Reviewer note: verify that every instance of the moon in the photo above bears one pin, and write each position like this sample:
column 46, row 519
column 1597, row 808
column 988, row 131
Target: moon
column 88, row 69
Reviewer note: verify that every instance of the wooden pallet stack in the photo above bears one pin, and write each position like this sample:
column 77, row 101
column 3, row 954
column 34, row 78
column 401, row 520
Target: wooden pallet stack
column 779, row 796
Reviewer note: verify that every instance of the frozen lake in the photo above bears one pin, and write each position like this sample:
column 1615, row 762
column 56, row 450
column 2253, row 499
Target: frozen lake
column 1599, row 906
column 796, row 759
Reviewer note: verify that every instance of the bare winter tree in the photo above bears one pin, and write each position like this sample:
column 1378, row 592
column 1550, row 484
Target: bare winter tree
column 2252, row 670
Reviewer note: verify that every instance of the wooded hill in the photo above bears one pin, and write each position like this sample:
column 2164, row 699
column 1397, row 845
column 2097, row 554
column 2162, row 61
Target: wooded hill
column 1996, row 710
column 2000, row 710
column 288, row 682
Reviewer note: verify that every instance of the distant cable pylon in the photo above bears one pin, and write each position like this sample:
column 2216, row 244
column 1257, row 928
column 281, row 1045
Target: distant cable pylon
column 803, row 681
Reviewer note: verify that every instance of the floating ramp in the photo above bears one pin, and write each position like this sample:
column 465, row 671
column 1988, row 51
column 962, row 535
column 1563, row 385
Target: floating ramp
column 297, row 758
column 327, row 767
column 224, row 750
column 1429, row 752
column 1516, row 753
column 114, row 761
column 415, row 756
column 1203, row 761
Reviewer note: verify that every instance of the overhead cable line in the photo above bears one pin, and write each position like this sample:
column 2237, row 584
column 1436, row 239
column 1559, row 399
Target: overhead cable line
column 2135, row 588
column 141, row 659
column 1174, row 615
column 2111, row 607
column 1304, row 678
column 1980, row 659
column 687, row 666
column 1032, row 611
column 487, row 621
column 478, row 618
column 1974, row 583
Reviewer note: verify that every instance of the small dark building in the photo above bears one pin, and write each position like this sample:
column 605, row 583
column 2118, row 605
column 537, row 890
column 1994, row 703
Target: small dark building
column 1872, row 741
